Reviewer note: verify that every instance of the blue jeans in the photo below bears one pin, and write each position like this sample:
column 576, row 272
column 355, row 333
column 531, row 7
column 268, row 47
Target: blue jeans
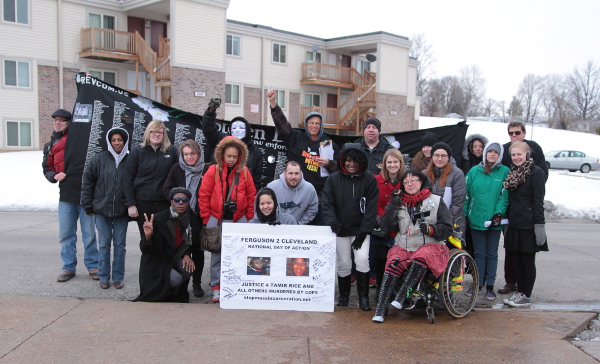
column 68, row 214
column 111, row 229
column 485, row 247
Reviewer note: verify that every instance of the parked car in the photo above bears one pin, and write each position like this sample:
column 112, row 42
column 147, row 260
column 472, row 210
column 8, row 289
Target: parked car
column 572, row 160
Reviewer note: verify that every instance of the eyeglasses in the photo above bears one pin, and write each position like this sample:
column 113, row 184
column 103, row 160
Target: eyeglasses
column 518, row 132
column 410, row 181
column 157, row 132
column 60, row 120
column 180, row 200
column 440, row 156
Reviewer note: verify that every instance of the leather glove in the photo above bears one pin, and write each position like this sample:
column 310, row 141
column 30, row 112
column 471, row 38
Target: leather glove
column 214, row 103
column 425, row 228
column 496, row 220
column 335, row 227
column 358, row 240
column 274, row 223
column 540, row 234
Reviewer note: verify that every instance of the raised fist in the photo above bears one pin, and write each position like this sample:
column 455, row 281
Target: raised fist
column 214, row 103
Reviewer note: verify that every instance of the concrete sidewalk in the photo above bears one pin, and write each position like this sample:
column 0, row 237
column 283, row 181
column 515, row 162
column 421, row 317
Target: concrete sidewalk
column 59, row 330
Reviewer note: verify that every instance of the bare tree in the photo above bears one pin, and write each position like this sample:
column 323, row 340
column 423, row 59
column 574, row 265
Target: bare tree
column 557, row 102
column 421, row 50
column 515, row 109
column 584, row 87
column 452, row 94
column 472, row 84
column 432, row 99
column 489, row 107
column 530, row 95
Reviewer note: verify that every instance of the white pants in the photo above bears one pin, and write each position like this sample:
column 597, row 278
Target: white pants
column 344, row 258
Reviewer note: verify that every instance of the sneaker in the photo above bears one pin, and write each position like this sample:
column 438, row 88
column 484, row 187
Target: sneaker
column 490, row 295
column 216, row 294
column 511, row 298
column 372, row 283
column 469, row 292
column 94, row 274
column 520, row 301
column 352, row 280
column 64, row 276
column 508, row 287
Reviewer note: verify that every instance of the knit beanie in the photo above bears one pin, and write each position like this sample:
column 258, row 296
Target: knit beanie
column 428, row 139
column 372, row 121
column 444, row 146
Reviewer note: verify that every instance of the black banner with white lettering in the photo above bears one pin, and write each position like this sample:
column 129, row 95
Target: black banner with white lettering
column 101, row 106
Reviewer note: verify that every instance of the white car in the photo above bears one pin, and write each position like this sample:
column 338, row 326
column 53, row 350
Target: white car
column 572, row 160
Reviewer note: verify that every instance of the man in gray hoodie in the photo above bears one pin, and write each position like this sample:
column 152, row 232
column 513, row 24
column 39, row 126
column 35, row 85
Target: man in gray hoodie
column 295, row 195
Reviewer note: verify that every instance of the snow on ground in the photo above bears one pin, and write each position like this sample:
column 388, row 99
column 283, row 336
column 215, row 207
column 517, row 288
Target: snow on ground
column 576, row 195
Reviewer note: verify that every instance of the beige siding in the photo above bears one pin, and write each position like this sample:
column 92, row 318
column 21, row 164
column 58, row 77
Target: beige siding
column 20, row 105
column 392, row 74
column 198, row 34
column 412, row 86
column 246, row 67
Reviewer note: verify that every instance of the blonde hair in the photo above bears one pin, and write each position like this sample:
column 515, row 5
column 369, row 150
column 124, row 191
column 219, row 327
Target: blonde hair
column 521, row 145
column 392, row 153
column 152, row 126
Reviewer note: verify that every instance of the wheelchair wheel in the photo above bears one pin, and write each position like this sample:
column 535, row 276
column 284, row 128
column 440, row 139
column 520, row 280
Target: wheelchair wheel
column 459, row 276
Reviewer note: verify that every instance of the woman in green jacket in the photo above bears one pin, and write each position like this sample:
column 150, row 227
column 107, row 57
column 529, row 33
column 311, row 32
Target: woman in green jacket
column 485, row 204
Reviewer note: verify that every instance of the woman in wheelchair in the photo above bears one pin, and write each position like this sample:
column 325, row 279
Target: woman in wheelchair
column 423, row 222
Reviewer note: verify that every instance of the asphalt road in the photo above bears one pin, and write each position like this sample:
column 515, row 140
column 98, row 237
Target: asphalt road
column 567, row 275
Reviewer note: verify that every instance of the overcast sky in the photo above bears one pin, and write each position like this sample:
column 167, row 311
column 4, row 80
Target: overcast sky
column 507, row 39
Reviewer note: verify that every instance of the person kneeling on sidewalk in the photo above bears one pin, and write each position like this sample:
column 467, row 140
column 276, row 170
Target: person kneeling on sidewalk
column 166, row 266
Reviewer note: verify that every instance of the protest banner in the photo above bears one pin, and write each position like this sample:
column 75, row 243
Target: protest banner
column 282, row 267
column 101, row 106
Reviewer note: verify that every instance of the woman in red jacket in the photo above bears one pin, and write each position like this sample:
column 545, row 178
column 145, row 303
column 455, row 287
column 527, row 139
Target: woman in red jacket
column 229, row 177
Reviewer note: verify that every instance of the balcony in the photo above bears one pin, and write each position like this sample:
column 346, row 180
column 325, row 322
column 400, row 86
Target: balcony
column 119, row 46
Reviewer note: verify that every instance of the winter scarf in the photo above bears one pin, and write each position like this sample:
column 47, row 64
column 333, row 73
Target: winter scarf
column 517, row 175
column 183, row 222
column 193, row 174
column 409, row 200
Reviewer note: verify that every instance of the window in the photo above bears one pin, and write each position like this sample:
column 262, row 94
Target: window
column 362, row 66
column 16, row 73
column 233, row 45
column 18, row 134
column 108, row 77
column 279, row 53
column 309, row 57
column 232, row 94
column 101, row 21
column 280, row 98
column 312, row 100
column 16, row 11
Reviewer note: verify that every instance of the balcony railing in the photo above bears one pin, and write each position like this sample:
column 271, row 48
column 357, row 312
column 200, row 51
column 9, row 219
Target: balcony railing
column 109, row 40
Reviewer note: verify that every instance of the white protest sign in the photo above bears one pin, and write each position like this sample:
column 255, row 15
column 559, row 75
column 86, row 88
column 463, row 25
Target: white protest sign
column 282, row 267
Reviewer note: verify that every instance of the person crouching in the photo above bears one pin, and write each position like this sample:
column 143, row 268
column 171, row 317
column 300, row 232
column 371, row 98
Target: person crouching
column 166, row 246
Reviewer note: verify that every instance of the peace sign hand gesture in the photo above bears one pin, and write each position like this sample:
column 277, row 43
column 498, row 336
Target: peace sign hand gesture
column 148, row 226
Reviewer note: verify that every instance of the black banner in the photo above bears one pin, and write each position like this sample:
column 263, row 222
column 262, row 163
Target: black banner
column 101, row 106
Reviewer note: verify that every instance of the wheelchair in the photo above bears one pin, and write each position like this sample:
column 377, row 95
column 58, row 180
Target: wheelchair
column 448, row 290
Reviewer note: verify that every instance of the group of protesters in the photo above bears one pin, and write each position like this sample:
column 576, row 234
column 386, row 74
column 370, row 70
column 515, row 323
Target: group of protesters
column 381, row 210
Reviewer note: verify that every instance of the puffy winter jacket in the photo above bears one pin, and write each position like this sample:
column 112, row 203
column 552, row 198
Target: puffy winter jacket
column 350, row 199
column 453, row 193
column 216, row 182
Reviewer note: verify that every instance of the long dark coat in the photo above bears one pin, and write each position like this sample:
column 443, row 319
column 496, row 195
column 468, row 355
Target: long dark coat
column 159, row 257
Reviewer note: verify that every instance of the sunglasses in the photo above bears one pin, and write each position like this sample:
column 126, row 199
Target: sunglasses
column 180, row 200
column 514, row 132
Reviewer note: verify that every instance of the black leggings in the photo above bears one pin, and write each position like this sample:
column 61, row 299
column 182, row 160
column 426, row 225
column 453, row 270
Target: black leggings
column 379, row 263
column 526, row 272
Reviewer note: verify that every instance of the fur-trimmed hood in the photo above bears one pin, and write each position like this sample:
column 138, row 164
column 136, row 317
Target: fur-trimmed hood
column 469, row 141
column 230, row 141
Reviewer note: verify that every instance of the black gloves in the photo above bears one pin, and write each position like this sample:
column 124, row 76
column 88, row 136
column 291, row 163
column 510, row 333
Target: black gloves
column 496, row 220
column 214, row 103
column 274, row 223
column 395, row 200
column 358, row 240
column 335, row 227
column 425, row 229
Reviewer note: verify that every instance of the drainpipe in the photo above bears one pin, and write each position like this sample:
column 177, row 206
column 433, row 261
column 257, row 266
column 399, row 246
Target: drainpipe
column 262, row 87
column 60, row 57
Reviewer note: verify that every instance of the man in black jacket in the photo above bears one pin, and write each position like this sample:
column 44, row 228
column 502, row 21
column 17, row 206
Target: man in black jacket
column 312, row 149
column 240, row 128
column 374, row 145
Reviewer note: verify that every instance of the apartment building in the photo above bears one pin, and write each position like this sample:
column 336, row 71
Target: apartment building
column 182, row 53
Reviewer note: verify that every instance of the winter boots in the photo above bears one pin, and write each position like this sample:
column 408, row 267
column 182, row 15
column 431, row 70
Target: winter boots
column 362, row 287
column 344, row 288
column 411, row 279
column 385, row 293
